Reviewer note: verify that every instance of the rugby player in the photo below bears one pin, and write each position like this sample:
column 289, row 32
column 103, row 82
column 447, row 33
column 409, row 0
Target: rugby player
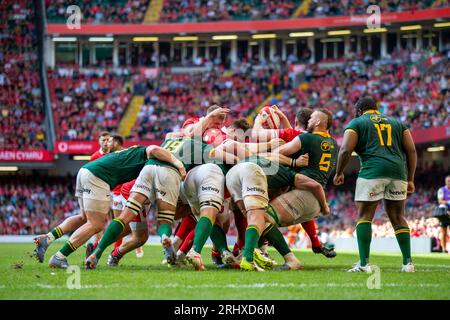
column 159, row 181
column 288, row 134
column 74, row 222
column 388, row 162
column 93, row 187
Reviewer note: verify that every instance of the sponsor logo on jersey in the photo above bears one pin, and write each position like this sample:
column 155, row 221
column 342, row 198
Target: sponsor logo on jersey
column 210, row 189
column 256, row 189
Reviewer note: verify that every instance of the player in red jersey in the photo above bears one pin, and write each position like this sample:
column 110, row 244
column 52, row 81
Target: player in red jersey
column 137, row 227
column 104, row 148
column 288, row 134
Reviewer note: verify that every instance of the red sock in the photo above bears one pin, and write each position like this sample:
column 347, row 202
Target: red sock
column 96, row 244
column 187, row 224
column 187, row 243
column 215, row 253
column 310, row 228
column 117, row 253
column 118, row 243
column 241, row 225
column 236, row 249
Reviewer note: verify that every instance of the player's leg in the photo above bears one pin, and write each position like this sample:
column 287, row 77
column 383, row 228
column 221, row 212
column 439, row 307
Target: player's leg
column 139, row 236
column 186, row 225
column 96, row 220
column 116, row 228
column 396, row 213
column 368, row 194
column 43, row 241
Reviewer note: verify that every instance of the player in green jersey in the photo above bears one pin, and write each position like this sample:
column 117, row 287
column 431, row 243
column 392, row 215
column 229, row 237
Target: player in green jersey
column 388, row 162
column 93, row 187
column 159, row 182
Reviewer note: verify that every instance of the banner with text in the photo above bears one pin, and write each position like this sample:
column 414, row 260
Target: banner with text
column 26, row 156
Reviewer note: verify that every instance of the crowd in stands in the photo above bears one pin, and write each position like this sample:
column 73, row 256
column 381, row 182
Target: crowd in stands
column 222, row 10
column 180, row 11
column 400, row 82
column 21, row 108
column 172, row 97
column 98, row 11
column 324, row 8
column 87, row 101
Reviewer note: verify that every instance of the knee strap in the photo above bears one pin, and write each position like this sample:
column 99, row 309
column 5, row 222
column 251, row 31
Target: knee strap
column 134, row 206
column 166, row 216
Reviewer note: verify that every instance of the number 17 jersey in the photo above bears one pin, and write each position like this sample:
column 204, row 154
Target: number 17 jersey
column 380, row 146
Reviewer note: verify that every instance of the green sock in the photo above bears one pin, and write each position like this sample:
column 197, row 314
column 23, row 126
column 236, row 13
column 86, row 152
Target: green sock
column 251, row 241
column 164, row 229
column 112, row 232
column 219, row 238
column 67, row 249
column 364, row 236
column 57, row 232
column 404, row 241
column 202, row 232
column 274, row 236
column 261, row 241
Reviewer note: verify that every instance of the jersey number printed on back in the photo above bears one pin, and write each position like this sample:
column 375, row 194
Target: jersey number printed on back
column 381, row 127
column 173, row 146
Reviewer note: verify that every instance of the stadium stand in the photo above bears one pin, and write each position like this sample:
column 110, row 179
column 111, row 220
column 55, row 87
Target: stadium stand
column 87, row 101
column 99, row 11
column 21, row 108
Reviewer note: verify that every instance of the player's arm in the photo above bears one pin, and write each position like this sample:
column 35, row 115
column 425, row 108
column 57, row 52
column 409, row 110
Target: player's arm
column 411, row 158
column 262, row 147
column 348, row 145
column 162, row 154
column 303, row 182
column 289, row 148
column 198, row 128
column 284, row 121
column 301, row 161
column 223, row 156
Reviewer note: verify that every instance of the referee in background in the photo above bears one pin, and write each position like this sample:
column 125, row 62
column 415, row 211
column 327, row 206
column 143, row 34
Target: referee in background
column 442, row 212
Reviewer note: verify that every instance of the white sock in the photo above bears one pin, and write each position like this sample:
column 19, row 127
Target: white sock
column 50, row 237
column 60, row 255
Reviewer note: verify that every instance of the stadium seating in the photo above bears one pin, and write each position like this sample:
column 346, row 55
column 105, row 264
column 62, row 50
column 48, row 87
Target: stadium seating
column 21, row 108
column 87, row 101
column 99, row 11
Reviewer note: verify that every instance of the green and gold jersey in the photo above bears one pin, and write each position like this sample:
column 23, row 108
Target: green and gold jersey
column 119, row 167
column 322, row 150
column 278, row 176
column 379, row 146
column 189, row 151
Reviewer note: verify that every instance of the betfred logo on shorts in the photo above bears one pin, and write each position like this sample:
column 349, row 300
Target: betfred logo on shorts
column 163, row 193
column 397, row 193
column 256, row 189
column 210, row 189
column 82, row 190
column 141, row 186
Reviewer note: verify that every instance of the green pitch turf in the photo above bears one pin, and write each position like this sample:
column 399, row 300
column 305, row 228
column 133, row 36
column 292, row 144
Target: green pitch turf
column 21, row 277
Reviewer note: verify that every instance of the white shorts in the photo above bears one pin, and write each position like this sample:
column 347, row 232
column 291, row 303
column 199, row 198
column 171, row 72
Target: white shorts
column 377, row 189
column 118, row 202
column 301, row 205
column 93, row 193
column 247, row 180
column 204, row 187
column 159, row 183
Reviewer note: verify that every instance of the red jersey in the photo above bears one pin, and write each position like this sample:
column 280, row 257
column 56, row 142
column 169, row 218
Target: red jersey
column 126, row 188
column 189, row 122
column 288, row 134
column 97, row 154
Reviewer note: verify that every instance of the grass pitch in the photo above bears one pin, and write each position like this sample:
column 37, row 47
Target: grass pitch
column 21, row 277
